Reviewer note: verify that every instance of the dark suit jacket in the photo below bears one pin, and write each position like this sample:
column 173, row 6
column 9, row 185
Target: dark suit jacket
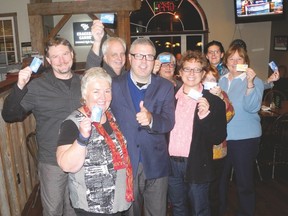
column 150, row 143
column 206, row 132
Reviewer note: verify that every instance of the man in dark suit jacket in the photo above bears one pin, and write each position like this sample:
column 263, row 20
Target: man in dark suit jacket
column 143, row 105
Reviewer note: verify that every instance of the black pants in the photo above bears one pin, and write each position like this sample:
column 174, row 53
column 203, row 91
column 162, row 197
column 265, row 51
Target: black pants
column 214, row 188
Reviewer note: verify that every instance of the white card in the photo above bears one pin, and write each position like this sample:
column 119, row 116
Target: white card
column 195, row 94
column 209, row 85
column 241, row 67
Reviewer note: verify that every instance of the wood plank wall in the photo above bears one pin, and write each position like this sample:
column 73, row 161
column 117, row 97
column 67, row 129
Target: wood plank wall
column 18, row 174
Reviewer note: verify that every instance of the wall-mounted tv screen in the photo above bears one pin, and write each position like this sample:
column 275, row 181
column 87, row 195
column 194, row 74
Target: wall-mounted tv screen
column 258, row 11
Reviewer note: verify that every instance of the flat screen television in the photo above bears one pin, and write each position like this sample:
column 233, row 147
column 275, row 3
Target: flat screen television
column 258, row 11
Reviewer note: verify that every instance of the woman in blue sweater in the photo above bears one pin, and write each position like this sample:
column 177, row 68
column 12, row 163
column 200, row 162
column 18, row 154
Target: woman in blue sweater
column 245, row 91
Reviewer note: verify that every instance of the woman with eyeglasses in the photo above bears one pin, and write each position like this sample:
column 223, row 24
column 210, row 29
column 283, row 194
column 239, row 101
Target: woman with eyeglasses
column 200, row 122
column 214, row 52
column 165, row 65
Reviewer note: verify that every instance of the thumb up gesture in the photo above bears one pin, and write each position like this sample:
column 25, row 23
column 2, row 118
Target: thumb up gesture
column 144, row 116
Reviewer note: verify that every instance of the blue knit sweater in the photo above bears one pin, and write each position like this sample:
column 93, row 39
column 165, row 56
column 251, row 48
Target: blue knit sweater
column 137, row 94
column 246, row 122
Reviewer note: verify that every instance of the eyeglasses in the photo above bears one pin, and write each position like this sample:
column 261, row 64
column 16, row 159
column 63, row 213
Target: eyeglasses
column 195, row 70
column 139, row 56
column 166, row 65
column 211, row 52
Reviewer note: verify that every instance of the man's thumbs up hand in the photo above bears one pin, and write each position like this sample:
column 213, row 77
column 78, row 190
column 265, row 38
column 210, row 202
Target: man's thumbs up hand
column 144, row 116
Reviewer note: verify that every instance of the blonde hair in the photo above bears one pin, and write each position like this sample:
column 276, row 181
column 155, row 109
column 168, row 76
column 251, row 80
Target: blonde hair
column 91, row 75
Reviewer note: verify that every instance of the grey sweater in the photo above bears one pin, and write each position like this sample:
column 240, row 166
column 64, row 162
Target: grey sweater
column 51, row 101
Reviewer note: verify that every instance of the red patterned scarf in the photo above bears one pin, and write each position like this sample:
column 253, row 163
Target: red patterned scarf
column 118, row 161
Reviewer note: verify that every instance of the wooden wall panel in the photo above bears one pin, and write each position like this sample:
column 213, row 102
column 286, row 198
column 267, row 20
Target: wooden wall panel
column 4, row 202
column 19, row 153
column 9, row 169
column 17, row 170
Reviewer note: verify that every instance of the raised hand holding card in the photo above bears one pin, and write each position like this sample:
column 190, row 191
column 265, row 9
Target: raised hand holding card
column 241, row 67
column 273, row 66
column 107, row 18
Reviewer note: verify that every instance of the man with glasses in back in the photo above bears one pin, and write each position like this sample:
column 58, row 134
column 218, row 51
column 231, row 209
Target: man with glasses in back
column 143, row 105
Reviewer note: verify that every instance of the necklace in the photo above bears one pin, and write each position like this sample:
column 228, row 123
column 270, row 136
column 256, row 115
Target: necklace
column 185, row 92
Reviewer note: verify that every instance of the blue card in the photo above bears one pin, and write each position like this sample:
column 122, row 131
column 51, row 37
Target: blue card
column 164, row 58
column 273, row 66
column 107, row 18
column 35, row 64
column 96, row 114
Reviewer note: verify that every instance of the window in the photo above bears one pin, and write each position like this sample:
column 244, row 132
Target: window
column 173, row 26
column 8, row 44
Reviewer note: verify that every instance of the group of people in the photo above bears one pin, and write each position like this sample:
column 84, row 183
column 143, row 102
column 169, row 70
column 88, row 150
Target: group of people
column 117, row 142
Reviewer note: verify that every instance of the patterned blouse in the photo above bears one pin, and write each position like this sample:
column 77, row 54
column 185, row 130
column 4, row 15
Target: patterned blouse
column 97, row 187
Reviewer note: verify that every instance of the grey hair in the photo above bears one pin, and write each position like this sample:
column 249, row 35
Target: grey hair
column 106, row 44
column 143, row 41
column 91, row 75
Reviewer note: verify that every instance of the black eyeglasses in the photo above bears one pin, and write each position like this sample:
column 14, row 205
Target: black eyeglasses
column 139, row 56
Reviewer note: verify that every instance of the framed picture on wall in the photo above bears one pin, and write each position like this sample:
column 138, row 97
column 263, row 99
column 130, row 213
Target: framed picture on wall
column 281, row 43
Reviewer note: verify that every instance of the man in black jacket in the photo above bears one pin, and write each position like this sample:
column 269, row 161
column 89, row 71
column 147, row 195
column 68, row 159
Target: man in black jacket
column 51, row 98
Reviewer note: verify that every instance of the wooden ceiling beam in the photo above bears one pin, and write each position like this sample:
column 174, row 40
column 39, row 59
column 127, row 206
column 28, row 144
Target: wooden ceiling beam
column 82, row 7
column 59, row 26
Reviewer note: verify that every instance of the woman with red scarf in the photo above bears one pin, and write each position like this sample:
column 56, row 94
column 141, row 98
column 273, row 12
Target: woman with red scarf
column 93, row 150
